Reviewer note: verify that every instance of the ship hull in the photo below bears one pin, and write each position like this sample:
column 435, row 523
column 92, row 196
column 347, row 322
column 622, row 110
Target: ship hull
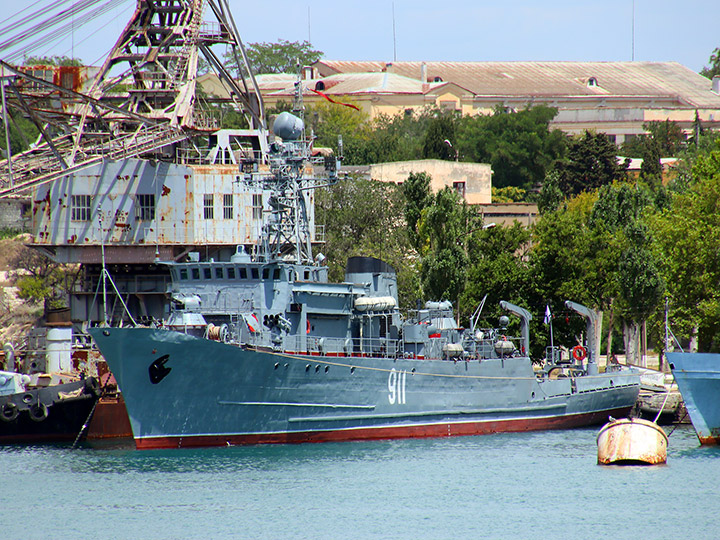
column 47, row 415
column 182, row 391
column 698, row 378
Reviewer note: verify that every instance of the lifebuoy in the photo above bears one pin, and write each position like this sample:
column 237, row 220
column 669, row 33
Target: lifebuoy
column 38, row 412
column 579, row 353
column 9, row 411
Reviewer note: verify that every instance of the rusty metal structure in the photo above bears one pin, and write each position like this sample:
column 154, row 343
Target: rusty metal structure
column 131, row 166
column 142, row 102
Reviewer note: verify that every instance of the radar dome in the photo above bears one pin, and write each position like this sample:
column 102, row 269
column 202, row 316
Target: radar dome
column 288, row 126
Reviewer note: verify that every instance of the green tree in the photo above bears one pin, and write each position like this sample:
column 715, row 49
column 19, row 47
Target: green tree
column 282, row 56
column 591, row 161
column 54, row 60
column 714, row 67
column 40, row 280
column 519, row 146
column 439, row 137
column 416, row 190
column 442, row 227
column 329, row 120
column 365, row 218
column 667, row 137
column 497, row 266
column 685, row 243
column 618, row 220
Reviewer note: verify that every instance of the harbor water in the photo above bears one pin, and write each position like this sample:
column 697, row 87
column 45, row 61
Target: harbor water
column 512, row 485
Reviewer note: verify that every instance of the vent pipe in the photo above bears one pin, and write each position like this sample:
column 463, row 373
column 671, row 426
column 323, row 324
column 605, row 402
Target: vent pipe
column 423, row 73
column 716, row 84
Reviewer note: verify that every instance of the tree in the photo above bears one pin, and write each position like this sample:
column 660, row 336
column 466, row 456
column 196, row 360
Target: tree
column 519, row 145
column 685, row 243
column 442, row 228
column 714, row 67
column 497, row 266
column 329, row 120
column 619, row 219
column 54, row 60
column 591, row 161
column 277, row 57
column 40, row 280
column 416, row 190
column 440, row 132
column 364, row 218
column 667, row 137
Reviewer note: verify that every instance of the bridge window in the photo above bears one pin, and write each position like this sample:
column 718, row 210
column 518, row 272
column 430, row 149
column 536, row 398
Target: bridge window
column 195, row 273
column 254, row 273
column 243, row 273
column 231, row 272
column 218, row 273
column 183, row 273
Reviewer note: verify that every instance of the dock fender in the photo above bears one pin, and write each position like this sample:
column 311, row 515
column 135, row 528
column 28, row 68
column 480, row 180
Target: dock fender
column 9, row 411
column 38, row 412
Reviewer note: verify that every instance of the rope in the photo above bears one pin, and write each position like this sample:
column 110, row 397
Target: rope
column 677, row 423
column 85, row 425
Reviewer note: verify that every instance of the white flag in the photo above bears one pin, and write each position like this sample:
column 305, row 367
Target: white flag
column 547, row 314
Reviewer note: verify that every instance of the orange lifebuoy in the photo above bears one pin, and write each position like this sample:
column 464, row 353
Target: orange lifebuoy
column 579, row 353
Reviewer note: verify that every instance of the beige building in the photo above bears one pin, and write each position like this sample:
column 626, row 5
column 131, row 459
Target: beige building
column 473, row 181
column 616, row 98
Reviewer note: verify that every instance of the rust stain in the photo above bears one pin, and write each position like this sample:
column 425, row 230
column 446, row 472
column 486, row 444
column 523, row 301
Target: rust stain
column 72, row 239
column 165, row 191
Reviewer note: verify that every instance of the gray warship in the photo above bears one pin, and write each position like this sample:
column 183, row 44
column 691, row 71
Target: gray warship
column 262, row 348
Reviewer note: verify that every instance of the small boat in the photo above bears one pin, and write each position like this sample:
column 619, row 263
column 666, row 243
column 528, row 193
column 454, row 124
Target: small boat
column 631, row 441
column 53, row 413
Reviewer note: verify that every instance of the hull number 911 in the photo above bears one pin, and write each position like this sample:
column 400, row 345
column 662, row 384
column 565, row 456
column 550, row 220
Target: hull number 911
column 396, row 386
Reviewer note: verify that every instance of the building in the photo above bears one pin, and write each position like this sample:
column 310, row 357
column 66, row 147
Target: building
column 473, row 181
column 616, row 98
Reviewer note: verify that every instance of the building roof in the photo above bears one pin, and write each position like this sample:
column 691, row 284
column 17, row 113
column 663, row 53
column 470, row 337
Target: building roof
column 350, row 83
column 661, row 80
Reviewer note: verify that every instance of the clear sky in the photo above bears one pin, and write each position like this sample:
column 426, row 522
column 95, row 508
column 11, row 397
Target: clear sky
column 463, row 30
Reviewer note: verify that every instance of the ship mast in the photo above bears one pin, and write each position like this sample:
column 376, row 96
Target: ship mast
column 286, row 233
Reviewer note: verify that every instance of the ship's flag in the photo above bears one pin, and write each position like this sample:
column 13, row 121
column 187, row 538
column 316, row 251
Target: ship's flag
column 548, row 316
column 331, row 100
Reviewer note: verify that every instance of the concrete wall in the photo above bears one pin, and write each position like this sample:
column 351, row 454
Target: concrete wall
column 477, row 177
column 14, row 213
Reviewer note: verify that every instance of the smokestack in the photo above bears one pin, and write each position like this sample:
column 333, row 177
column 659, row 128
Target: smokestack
column 423, row 73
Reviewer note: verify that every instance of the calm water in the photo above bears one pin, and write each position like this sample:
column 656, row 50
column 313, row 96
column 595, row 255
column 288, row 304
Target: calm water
column 529, row 485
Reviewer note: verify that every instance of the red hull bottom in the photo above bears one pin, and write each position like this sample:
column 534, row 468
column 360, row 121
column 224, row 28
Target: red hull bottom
column 393, row 432
column 110, row 420
column 709, row 441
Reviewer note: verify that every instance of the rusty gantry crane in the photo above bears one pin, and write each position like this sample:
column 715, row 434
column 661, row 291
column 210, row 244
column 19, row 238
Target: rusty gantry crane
column 141, row 103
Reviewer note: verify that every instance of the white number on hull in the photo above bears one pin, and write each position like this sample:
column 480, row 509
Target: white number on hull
column 396, row 386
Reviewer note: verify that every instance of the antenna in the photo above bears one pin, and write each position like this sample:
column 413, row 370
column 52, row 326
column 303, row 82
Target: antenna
column 394, row 40
column 633, row 31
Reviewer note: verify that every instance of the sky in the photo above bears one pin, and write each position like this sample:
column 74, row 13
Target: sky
column 463, row 30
